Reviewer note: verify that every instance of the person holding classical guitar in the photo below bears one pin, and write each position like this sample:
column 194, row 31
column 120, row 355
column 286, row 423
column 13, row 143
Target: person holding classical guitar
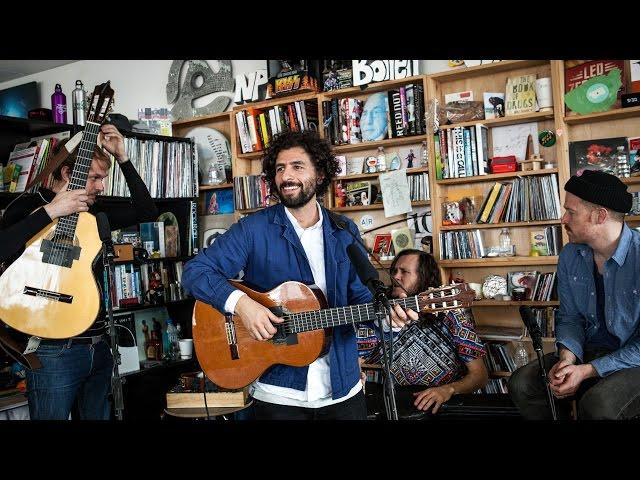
column 295, row 240
column 75, row 370
column 436, row 357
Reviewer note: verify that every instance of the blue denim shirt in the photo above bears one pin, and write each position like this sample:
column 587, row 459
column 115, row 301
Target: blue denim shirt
column 265, row 246
column 577, row 326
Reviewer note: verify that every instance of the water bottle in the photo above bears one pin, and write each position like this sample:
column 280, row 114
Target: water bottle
column 173, row 347
column 424, row 154
column 505, row 243
column 520, row 355
column 59, row 105
column 78, row 101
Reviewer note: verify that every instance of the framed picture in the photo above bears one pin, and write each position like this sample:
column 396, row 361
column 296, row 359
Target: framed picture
column 219, row 202
column 382, row 244
column 596, row 154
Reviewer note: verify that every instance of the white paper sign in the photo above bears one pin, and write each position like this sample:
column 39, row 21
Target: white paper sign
column 395, row 193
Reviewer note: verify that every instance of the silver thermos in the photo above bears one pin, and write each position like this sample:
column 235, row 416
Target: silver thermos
column 79, row 104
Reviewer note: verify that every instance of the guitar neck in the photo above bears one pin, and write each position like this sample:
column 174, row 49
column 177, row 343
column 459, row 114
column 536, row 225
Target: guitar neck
column 333, row 317
column 67, row 224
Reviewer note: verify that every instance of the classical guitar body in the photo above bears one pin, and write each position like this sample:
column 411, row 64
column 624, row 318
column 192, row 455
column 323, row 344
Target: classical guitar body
column 232, row 359
column 50, row 290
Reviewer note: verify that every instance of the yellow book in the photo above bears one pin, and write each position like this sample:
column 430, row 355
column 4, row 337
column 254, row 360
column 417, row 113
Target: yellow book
column 489, row 205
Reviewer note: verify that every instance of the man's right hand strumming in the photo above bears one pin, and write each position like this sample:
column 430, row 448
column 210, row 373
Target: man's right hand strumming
column 67, row 202
column 257, row 319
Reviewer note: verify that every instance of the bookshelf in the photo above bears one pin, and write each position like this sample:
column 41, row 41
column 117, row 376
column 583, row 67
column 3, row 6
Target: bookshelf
column 492, row 315
column 369, row 217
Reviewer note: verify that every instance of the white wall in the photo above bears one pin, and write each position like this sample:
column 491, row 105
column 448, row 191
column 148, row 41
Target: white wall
column 137, row 83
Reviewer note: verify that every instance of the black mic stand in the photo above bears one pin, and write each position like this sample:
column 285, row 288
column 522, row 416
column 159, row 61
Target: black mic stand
column 108, row 256
column 537, row 346
column 382, row 308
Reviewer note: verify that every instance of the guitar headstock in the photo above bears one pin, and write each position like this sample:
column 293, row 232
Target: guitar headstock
column 447, row 297
column 100, row 103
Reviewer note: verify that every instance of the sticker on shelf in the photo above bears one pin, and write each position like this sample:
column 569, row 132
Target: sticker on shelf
column 366, row 221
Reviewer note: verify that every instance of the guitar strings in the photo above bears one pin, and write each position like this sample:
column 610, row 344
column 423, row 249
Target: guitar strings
column 312, row 320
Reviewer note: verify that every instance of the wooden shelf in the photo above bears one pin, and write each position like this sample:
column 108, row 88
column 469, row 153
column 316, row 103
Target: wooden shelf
column 388, row 142
column 495, row 177
column 501, row 303
column 370, row 87
column 631, row 180
column 462, row 73
column 376, row 206
column 632, row 218
column 202, row 119
column 277, row 101
column 498, row 262
column 544, row 339
column 360, row 176
column 359, row 208
column 375, row 366
column 502, row 121
column 616, row 114
column 216, row 187
column 250, row 210
column 473, row 226
column 499, row 374
column 250, row 155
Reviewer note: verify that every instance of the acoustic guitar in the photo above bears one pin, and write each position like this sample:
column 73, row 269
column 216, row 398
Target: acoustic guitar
column 232, row 359
column 50, row 290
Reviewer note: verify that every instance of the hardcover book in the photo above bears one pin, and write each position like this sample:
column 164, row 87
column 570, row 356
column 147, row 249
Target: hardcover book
column 520, row 96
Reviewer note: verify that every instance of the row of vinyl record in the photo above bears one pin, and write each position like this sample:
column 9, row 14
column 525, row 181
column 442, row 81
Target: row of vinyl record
column 462, row 152
column 546, row 320
column 257, row 126
column 523, row 199
column 169, row 169
column 350, row 120
column 462, row 244
column 250, row 191
column 497, row 358
column 494, row 385
column 130, row 283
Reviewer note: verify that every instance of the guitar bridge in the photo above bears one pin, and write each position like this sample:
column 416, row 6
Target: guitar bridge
column 232, row 340
column 55, row 296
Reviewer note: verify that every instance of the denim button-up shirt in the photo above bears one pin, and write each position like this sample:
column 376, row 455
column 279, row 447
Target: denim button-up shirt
column 577, row 323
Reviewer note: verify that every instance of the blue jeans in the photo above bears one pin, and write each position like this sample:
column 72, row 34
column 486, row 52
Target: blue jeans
column 77, row 373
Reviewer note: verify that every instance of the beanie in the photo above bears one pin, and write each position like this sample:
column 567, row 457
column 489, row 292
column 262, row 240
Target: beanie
column 600, row 188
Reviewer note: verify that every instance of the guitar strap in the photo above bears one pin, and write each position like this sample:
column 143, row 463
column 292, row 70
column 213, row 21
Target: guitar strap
column 15, row 347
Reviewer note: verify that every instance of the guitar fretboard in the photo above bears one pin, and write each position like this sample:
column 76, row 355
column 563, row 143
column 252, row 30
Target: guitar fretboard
column 67, row 224
column 333, row 317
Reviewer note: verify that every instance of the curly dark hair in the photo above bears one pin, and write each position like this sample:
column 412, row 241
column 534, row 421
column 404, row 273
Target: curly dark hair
column 428, row 270
column 318, row 149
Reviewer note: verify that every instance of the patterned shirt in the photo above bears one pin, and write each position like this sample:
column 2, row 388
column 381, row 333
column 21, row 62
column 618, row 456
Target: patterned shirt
column 431, row 352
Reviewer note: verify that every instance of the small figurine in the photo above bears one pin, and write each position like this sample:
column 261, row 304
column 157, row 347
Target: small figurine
column 410, row 158
column 155, row 293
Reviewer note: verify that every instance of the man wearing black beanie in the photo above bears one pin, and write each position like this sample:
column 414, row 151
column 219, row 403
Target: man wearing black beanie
column 597, row 326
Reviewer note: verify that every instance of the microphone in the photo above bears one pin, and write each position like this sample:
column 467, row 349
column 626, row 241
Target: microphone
column 532, row 326
column 368, row 274
column 104, row 231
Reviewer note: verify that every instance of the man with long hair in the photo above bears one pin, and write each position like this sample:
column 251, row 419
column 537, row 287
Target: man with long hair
column 434, row 357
